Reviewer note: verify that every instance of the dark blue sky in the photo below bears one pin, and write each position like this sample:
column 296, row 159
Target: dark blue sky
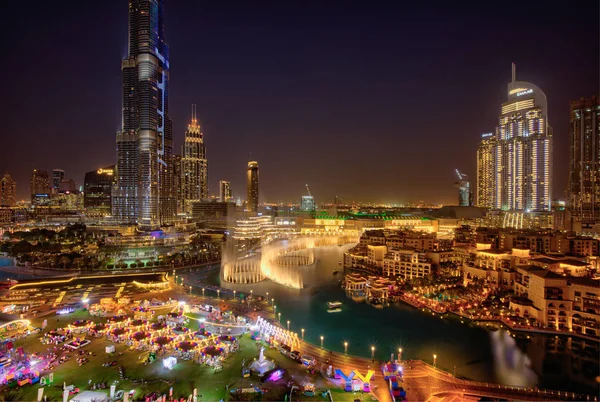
column 364, row 100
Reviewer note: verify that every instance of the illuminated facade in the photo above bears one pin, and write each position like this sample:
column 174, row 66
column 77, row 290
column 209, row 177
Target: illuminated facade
column 39, row 183
column 97, row 189
column 8, row 191
column 143, row 193
column 518, row 154
column 252, row 186
column 225, row 191
column 584, row 165
column 194, row 164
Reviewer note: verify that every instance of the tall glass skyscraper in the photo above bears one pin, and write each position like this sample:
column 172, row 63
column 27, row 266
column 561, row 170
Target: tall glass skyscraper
column 195, row 167
column 143, row 192
column 515, row 163
column 584, row 165
column 252, row 186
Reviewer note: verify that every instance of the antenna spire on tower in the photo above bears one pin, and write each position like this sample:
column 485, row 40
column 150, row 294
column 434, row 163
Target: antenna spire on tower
column 514, row 72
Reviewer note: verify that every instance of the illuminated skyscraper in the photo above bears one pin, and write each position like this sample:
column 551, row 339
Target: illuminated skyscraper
column 143, row 191
column 486, row 165
column 40, row 183
column 584, row 165
column 224, row 191
column 58, row 175
column 252, row 186
column 194, row 170
column 307, row 203
column 8, row 191
column 177, row 178
column 522, row 153
column 97, row 188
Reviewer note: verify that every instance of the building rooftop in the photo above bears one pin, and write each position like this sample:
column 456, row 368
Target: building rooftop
column 575, row 263
column 545, row 260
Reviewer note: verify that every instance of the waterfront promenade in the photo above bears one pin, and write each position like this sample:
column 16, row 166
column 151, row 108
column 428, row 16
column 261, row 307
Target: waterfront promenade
column 422, row 381
column 502, row 320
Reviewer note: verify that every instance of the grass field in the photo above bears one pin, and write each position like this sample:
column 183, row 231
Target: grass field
column 186, row 375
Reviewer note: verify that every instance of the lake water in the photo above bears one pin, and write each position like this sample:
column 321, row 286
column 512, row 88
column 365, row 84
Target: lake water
column 420, row 334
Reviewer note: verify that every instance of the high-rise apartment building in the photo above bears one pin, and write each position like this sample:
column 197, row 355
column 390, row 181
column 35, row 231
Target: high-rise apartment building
column 97, row 188
column 8, row 191
column 252, row 186
column 177, row 187
column 584, row 165
column 486, row 175
column 519, row 153
column 225, row 191
column 194, row 165
column 58, row 175
column 143, row 192
column 39, row 183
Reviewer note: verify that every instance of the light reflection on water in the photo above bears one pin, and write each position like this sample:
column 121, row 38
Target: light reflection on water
column 418, row 333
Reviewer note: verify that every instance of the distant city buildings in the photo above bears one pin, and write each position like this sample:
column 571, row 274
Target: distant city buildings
column 584, row 164
column 143, row 193
column 97, row 188
column 514, row 164
column 8, row 191
column 194, row 178
column 58, row 175
column 252, row 186
column 224, row 191
column 39, row 184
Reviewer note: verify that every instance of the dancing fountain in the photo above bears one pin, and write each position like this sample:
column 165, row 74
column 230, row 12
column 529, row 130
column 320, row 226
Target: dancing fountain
column 262, row 365
column 278, row 261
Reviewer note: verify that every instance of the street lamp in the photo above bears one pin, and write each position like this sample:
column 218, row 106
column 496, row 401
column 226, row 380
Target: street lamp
column 218, row 293
column 202, row 292
column 288, row 323
column 322, row 337
column 273, row 301
column 251, row 292
column 345, row 347
column 279, row 314
column 302, row 333
column 234, row 294
column 434, row 359
column 267, row 297
column 274, row 310
column 399, row 354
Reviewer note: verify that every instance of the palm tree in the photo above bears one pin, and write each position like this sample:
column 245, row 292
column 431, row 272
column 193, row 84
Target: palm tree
column 64, row 260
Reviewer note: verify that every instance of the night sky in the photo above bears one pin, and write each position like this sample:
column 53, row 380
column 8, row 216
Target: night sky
column 369, row 101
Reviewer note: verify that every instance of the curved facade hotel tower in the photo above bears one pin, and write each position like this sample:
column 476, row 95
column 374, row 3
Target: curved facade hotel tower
column 514, row 164
column 143, row 193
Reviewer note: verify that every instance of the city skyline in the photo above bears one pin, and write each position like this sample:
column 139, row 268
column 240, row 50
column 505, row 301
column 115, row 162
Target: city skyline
column 270, row 124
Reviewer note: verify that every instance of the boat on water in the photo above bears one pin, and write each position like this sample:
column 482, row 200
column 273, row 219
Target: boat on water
column 334, row 304
column 334, row 310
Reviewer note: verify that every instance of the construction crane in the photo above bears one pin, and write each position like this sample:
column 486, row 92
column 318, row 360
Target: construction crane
column 308, row 190
column 460, row 175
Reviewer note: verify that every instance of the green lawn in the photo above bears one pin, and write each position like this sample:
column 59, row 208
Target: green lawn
column 186, row 374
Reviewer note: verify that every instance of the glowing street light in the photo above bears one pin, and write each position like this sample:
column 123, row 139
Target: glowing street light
column 400, row 354
column 273, row 301
column 251, row 292
column 267, row 296
column 234, row 294
column 302, row 333
column 345, row 347
column 274, row 310
column 202, row 292
column 434, row 359
column 288, row 323
column 218, row 293
column 279, row 314
column 372, row 352
column 322, row 337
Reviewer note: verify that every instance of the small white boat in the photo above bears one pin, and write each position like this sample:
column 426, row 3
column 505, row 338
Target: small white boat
column 334, row 310
column 335, row 304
